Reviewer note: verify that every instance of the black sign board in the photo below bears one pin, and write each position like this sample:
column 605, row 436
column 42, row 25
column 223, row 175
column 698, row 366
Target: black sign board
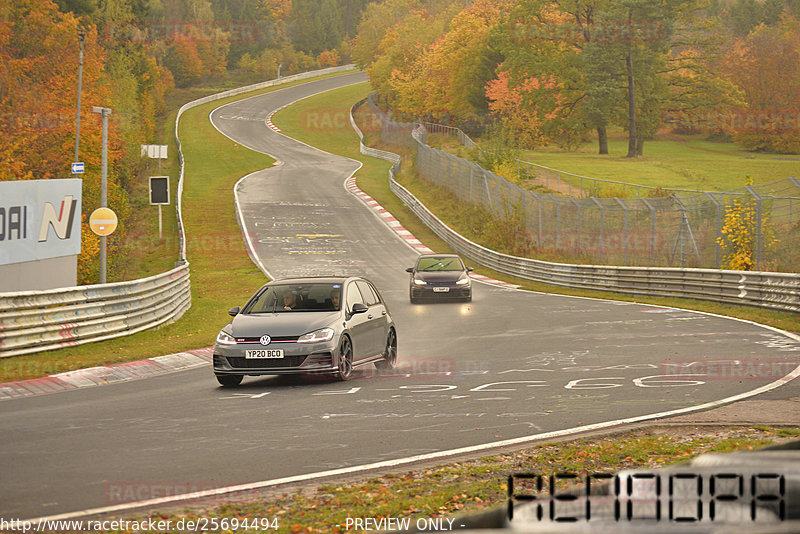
column 159, row 190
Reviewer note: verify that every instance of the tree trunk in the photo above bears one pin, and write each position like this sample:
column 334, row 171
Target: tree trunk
column 602, row 139
column 631, row 101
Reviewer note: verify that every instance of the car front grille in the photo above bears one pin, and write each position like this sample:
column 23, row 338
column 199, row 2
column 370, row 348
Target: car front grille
column 266, row 363
column 275, row 339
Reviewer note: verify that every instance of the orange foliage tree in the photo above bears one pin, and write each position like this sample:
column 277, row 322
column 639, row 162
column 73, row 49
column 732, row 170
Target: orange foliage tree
column 39, row 58
column 766, row 65
column 449, row 75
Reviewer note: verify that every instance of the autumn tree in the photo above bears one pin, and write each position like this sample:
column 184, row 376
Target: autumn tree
column 39, row 58
column 183, row 60
column 449, row 76
column 766, row 65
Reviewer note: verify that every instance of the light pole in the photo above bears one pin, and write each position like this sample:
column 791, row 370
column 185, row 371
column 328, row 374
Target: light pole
column 104, row 112
column 81, row 39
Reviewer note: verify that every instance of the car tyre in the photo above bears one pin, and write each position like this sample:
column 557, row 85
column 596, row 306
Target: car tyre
column 229, row 381
column 389, row 353
column 345, row 365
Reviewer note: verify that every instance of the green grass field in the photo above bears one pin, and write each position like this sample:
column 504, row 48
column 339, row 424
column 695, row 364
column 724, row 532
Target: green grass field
column 670, row 161
column 679, row 162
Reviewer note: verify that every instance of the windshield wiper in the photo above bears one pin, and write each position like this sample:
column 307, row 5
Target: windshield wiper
column 431, row 268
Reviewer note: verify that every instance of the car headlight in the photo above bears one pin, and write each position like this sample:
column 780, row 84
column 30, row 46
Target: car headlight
column 464, row 280
column 224, row 338
column 419, row 282
column 323, row 334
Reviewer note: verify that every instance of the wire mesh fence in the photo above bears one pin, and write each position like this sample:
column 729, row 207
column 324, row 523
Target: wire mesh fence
column 680, row 228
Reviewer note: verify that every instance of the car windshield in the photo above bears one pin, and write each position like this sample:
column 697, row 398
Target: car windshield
column 284, row 298
column 440, row 264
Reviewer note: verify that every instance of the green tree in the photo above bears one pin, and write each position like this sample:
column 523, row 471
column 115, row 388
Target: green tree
column 316, row 25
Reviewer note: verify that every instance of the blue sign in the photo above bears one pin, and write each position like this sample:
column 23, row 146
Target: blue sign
column 77, row 167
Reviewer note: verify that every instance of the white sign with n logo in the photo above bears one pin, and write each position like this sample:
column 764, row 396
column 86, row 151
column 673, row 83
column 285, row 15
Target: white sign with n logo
column 39, row 219
column 61, row 222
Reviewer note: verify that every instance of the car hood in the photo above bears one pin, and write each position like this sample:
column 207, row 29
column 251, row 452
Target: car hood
column 281, row 324
column 439, row 276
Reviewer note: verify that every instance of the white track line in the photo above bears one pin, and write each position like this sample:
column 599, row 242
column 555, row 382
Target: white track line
column 413, row 459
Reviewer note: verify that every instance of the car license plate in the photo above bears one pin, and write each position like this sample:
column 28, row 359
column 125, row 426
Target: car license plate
column 441, row 289
column 260, row 354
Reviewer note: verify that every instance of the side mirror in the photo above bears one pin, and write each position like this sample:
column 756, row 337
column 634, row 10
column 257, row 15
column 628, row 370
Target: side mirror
column 358, row 307
column 410, row 270
column 470, row 269
column 233, row 312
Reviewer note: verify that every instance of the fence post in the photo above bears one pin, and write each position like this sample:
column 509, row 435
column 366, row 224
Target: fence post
column 652, row 230
column 718, row 252
column 578, row 241
column 558, row 222
column 759, row 225
column 539, row 202
column 602, row 225
column 488, row 192
column 625, row 231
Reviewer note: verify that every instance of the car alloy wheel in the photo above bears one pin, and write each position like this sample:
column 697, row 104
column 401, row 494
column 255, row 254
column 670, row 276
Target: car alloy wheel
column 229, row 381
column 389, row 353
column 345, row 367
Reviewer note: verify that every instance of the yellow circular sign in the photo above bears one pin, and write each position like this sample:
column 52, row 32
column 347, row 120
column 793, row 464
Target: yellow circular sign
column 103, row 221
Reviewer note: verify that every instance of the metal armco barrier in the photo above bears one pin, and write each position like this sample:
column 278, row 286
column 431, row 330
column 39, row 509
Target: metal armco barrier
column 779, row 291
column 37, row 321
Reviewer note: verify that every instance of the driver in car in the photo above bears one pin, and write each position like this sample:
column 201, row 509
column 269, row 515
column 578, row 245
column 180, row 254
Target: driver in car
column 289, row 300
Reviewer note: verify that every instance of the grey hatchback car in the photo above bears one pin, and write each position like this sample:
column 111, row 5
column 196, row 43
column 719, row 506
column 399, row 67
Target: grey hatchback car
column 307, row 326
column 441, row 277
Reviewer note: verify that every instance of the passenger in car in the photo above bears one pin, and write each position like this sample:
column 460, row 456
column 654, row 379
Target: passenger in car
column 335, row 299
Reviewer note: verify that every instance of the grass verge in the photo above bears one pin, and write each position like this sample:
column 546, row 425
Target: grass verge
column 222, row 274
column 472, row 486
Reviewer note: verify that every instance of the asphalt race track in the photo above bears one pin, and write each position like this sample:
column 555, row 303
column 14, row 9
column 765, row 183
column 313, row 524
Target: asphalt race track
column 508, row 365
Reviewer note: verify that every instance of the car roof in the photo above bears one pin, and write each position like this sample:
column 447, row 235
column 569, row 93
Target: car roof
column 314, row 280
column 439, row 256
column 309, row 280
